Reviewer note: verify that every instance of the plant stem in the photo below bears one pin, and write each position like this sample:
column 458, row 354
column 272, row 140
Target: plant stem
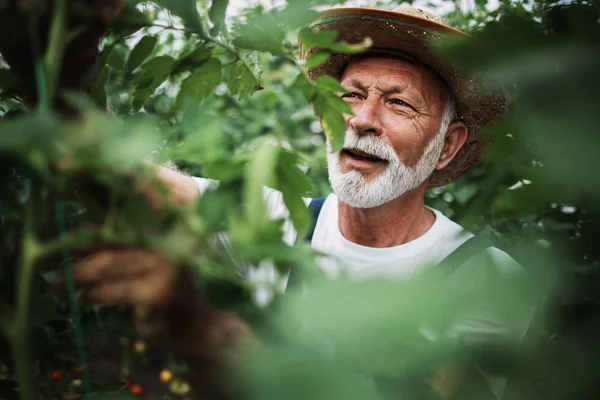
column 79, row 239
column 56, row 47
column 40, row 74
column 206, row 38
column 21, row 330
column 75, row 316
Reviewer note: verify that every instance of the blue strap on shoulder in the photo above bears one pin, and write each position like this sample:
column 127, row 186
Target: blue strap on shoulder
column 314, row 207
column 458, row 257
column 463, row 253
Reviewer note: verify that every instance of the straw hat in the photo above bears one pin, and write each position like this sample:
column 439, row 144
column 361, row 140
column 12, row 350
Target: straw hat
column 410, row 31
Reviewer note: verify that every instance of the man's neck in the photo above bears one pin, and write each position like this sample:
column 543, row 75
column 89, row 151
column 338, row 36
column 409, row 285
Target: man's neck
column 394, row 223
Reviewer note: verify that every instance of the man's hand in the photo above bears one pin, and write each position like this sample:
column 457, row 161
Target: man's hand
column 169, row 309
column 126, row 276
column 158, row 291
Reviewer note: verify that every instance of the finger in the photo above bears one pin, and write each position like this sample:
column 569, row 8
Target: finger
column 156, row 288
column 76, row 254
column 113, row 264
column 112, row 293
column 145, row 290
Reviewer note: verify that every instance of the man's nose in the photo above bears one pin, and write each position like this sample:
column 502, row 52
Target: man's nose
column 365, row 120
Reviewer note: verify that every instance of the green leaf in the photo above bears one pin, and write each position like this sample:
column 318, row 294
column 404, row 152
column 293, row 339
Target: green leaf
column 332, row 121
column 328, row 106
column 297, row 14
column 187, row 11
column 115, row 60
column 224, row 170
column 293, row 185
column 334, row 127
column 262, row 172
column 481, row 4
column 316, row 59
column 153, row 73
column 342, row 47
column 140, row 52
column 80, row 101
column 326, row 40
column 203, row 140
column 130, row 21
column 242, row 81
column 129, row 145
column 201, row 83
column 339, row 105
column 98, row 92
column 317, row 39
column 9, row 82
column 192, row 60
column 217, row 14
column 331, row 84
column 261, row 33
column 308, row 89
column 28, row 138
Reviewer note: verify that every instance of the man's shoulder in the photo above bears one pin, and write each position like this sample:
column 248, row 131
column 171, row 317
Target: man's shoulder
column 455, row 235
column 449, row 226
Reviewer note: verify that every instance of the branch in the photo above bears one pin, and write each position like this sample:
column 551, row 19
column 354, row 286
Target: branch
column 37, row 56
column 79, row 239
column 207, row 38
column 56, row 47
column 20, row 334
column 75, row 316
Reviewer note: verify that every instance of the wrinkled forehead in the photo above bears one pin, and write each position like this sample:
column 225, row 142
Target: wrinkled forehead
column 401, row 65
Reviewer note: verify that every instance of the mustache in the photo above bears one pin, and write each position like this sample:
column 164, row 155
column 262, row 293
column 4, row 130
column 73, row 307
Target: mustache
column 369, row 144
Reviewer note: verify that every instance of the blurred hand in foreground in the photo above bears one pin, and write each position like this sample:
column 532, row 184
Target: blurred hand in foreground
column 169, row 309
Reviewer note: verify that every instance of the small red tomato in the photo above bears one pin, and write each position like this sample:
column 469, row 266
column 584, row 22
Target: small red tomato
column 56, row 375
column 136, row 390
column 43, row 384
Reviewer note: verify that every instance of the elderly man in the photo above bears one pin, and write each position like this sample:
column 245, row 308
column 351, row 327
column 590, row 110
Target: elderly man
column 415, row 125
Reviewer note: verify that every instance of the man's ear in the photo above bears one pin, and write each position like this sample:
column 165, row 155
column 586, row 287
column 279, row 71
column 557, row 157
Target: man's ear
column 455, row 139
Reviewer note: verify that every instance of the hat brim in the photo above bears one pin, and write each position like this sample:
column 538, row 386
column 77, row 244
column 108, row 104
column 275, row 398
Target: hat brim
column 480, row 101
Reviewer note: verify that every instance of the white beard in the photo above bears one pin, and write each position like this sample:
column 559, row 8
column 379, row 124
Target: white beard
column 353, row 189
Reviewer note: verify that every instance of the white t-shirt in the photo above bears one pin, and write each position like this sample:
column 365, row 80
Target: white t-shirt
column 399, row 262
column 403, row 261
column 354, row 260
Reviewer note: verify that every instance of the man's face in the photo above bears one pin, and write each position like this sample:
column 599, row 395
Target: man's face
column 392, row 142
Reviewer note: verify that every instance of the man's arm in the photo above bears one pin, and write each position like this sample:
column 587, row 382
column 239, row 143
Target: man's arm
column 181, row 189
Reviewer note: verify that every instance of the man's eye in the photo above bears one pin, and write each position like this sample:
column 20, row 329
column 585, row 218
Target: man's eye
column 399, row 102
column 349, row 95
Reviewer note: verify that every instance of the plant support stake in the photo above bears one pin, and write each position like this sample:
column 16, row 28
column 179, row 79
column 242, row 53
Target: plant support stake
column 75, row 317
